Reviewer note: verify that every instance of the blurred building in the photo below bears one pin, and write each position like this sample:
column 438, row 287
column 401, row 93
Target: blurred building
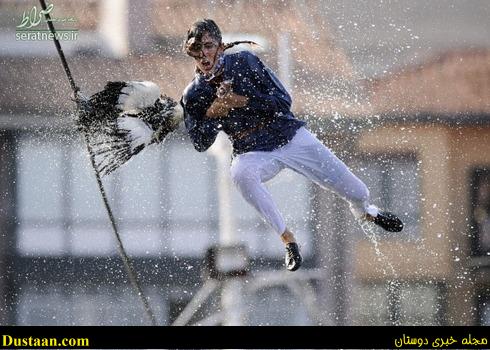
column 405, row 106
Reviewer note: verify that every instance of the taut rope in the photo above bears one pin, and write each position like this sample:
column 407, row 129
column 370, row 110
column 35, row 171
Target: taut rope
column 122, row 252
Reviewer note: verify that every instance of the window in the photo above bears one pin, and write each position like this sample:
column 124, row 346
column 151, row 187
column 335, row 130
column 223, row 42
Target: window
column 480, row 211
column 484, row 308
column 164, row 201
column 393, row 183
column 161, row 203
column 405, row 303
column 60, row 210
column 40, row 197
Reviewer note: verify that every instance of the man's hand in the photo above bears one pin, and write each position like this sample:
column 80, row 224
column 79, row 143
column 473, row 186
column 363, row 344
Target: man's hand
column 226, row 100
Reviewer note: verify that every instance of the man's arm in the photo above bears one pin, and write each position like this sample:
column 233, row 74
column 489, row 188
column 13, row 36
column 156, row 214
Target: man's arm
column 222, row 105
column 269, row 95
column 202, row 131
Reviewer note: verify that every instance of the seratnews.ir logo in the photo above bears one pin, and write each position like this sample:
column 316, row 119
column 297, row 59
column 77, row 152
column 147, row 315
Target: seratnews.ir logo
column 30, row 28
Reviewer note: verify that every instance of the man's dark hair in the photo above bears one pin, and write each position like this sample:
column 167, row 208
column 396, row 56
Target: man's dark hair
column 196, row 32
column 198, row 28
column 193, row 43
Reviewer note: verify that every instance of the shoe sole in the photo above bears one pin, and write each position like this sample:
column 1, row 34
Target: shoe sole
column 389, row 222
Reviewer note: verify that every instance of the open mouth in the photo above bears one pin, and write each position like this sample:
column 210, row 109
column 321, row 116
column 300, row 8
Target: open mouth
column 207, row 65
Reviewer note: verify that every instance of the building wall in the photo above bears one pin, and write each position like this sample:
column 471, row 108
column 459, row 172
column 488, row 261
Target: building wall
column 469, row 149
column 427, row 256
column 440, row 255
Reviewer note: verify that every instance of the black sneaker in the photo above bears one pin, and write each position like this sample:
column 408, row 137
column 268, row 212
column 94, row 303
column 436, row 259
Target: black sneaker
column 390, row 222
column 293, row 257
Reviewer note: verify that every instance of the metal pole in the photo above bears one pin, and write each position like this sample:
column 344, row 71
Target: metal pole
column 285, row 63
column 221, row 150
column 232, row 291
column 196, row 303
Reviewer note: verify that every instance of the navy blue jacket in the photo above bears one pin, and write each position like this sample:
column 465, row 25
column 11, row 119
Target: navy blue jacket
column 265, row 124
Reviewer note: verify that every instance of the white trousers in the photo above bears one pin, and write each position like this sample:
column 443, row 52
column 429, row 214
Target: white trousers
column 306, row 155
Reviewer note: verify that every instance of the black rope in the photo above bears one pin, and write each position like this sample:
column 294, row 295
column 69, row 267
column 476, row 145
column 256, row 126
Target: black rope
column 58, row 47
column 122, row 252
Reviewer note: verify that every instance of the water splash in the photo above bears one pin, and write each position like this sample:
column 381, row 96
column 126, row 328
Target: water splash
column 393, row 283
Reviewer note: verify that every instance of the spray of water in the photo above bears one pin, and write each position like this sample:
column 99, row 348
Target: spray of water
column 393, row 283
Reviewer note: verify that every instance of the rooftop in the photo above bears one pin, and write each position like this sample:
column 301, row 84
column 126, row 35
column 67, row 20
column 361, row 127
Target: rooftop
column 439, row 64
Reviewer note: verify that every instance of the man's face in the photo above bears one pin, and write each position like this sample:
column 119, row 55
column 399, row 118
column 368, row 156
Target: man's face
column 206, row 58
